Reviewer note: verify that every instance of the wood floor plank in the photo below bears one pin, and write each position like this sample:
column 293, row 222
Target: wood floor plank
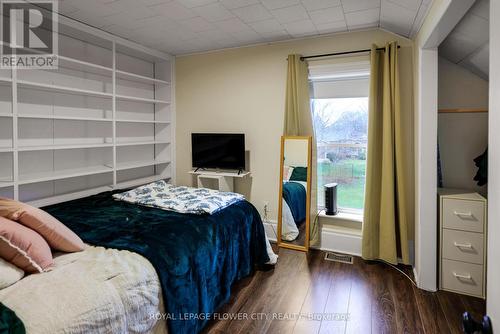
column 360, row 301
column 322, row 273
column 377, row 298
column 304, row 326
column 274, row 291
column 433, row 318
column 407, row 316
column 383, row 318
column 453, row 308
column 338, row 299
column 475, row 306
column 290, row 304
column 315, row 301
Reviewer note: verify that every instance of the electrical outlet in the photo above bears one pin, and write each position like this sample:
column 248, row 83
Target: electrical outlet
column 266, row 210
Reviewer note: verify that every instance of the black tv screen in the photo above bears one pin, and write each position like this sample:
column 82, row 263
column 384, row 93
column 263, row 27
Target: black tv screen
column 214, row 150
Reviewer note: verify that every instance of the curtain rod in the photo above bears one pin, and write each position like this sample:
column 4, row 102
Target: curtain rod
column 340, row 53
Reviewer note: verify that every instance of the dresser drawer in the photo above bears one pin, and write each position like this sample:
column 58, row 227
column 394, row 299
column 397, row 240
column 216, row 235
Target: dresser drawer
column 463, row 246
column 462, row 277
column 463, row 215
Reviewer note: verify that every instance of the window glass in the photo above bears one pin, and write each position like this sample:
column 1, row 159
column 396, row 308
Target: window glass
column 341, row 128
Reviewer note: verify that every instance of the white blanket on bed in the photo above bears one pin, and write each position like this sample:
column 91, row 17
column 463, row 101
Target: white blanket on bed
column 95, row 291
column 163, row 195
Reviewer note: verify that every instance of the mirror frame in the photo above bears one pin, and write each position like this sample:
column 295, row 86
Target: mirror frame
column 281, row 243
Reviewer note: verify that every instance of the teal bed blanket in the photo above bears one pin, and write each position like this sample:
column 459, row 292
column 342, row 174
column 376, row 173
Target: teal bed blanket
column 9, row 322
column 295, row 196
column 197, row 257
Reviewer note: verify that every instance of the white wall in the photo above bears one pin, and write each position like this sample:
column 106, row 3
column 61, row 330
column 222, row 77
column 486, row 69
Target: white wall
column 462, row 136
column 493, row 289
column 460, row 88
column 243, row 90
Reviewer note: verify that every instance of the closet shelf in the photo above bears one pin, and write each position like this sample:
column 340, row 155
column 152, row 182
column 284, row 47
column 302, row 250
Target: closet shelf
column 139, row 182
column 139, row 164
column 104, row 95
column 62, row 89
column 139, row 78
column 82, row 66
column 138, row 143
column 141, row 121
column 61, row 147
column 6, row 183
column 69, row 196
column 63, row 174
column 69, row 118
column 94, row 119
column 140, row 99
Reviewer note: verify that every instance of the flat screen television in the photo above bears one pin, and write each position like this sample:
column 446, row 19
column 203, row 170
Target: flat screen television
column 218, row 150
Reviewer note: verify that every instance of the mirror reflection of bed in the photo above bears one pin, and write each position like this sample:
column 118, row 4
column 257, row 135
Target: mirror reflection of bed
column 295, row 192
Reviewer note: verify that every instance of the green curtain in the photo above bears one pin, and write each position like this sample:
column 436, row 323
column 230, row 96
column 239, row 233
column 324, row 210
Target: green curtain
column 386, row 217
column 298, row 122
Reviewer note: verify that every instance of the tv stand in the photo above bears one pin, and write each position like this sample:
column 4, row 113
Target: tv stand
column 217, row 179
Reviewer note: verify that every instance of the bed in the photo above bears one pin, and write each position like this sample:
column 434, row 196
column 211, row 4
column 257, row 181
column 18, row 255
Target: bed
column 294, row 200
column 116, row 293
column 196, row 259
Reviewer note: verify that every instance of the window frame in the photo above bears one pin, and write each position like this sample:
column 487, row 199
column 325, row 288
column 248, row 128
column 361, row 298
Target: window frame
column 343, row 73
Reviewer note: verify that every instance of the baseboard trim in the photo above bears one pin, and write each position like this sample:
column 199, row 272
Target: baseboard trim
column 341, row 240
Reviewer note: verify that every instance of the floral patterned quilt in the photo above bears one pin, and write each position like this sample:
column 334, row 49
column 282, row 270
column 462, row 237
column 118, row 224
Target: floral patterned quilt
column 163, row 195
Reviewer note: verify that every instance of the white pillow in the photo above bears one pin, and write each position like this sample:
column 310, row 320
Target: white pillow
column 9, row 274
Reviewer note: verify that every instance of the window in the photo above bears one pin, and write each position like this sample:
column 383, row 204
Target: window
column 340, row 117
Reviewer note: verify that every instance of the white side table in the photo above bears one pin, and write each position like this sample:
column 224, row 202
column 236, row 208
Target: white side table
column 224, row 180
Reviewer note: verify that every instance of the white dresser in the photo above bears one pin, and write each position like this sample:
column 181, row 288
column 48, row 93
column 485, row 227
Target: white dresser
column 462, row 249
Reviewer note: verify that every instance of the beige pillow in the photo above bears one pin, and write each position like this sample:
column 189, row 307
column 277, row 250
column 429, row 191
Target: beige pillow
column 9, row 274
column 57, row 235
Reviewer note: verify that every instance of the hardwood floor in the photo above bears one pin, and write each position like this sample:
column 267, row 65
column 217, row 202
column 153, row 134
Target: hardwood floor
column 306, row 294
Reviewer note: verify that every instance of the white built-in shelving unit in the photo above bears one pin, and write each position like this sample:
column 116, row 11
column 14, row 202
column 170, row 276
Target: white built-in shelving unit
column 104, row 120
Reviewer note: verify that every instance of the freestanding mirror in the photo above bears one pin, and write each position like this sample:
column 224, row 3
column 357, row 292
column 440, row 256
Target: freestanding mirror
column 295, row 193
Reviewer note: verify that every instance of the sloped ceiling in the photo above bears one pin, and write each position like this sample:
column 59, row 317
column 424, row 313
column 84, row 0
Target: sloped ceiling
column 468, row 43
column 188, row 26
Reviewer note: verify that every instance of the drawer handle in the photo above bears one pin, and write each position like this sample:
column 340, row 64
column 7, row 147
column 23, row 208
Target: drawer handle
column 468, row 246
column 462, row 214
column 466, row 277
